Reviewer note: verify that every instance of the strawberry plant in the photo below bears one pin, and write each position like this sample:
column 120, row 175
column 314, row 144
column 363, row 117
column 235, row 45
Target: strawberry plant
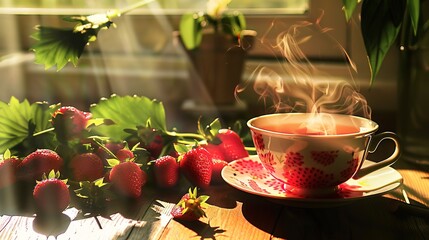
column 197, row 165
column 39, row 162
column 8, row 166
column 94, row 196
column 51, row 194
column 110, row 153
column 127, row 178
column 166, row 171
column 86, row 167
column 190, row 207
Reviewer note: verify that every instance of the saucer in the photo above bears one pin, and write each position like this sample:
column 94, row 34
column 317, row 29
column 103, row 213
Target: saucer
column 249, row 175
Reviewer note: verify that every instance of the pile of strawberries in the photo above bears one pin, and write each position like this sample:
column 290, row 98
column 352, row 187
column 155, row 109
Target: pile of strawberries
column 98, row 170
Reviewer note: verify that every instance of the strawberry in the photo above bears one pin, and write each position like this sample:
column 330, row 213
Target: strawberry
column 151, row 140
column 214, row 150
column 51, row 195
column 218, row 165
column 69, row 122
column 8, row 167
column 38, row 162
column 113, row 147
column 166, row 171
column 231, row 145
column 128, row 179
column 196, row 165
column 190, row 207
column 86, row 167
column 124, row 154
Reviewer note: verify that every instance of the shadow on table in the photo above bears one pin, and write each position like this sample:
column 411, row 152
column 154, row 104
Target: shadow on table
column 203, row 230
column 372, row 218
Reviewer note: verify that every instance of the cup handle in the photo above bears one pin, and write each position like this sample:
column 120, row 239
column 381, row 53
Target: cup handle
column 375, row 141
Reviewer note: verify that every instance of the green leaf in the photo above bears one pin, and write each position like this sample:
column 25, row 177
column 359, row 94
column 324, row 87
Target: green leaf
column 113, row 162
column 7, row 154
column 414, row 11
column 182, row 148
column 233, row 23
column 349, row 8
column 214, row 127
column 191, row 30
column 379, row 32
column 20, row 120
column 57, row 46
column 127, row 112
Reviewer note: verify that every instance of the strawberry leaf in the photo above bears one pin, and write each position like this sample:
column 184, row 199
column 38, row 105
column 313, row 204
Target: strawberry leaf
column 20, row 120
column 113, row 162
column 127, row 112
column 58, row 46
column 7, row 154
column 182, row 148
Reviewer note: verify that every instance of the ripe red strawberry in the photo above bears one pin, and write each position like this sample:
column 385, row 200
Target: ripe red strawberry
column 8, row 169
column 69, row 122
column 218, row 165
column 86, row 167
column 112, row 147
column 155, row 146
column 51, row 195
column 166, row 171
column 124, row 154
column 128, row 179
column 231, row 145
column 196, row 165
column 215, row 151
column 38, row 162
column 190, row 207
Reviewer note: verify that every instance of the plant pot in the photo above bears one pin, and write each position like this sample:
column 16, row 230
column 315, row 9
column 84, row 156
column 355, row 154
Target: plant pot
column 217, row 67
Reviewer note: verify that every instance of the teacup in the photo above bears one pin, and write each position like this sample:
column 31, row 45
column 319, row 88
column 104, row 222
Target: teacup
column 314, row 154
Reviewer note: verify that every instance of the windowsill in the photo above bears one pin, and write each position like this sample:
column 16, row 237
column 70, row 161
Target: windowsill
column 146, row 74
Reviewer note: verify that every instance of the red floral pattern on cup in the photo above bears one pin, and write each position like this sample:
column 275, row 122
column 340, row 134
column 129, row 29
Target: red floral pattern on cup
column 307, row 177
column 351, row 169
column 250, row 167
column 258, row 141
column 268, row 161
column 324, row 157
column 293, row 159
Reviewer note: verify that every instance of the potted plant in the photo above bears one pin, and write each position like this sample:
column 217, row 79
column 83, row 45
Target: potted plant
column 383, row 23
column 216, row 42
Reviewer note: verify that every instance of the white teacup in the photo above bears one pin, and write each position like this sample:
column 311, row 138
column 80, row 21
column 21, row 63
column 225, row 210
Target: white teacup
column 314, row 154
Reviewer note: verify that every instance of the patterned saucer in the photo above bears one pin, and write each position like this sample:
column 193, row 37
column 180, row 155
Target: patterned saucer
column 249, row 175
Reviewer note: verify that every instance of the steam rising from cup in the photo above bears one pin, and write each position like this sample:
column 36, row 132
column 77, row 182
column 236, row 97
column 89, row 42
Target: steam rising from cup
column 301, row 87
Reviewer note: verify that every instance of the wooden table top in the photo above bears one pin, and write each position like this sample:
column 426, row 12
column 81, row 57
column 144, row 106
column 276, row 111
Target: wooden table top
column 233, row 214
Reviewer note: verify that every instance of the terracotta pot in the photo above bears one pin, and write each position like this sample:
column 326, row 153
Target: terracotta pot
column 217, row 67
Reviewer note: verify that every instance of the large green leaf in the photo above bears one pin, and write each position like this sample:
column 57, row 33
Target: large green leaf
column 18, row 122
column 349, row 8
column 379, row 30
column 57, row 46
column 127, row 112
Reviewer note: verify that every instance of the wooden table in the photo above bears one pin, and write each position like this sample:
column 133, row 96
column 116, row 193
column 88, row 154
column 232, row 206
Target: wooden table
column 234, row 214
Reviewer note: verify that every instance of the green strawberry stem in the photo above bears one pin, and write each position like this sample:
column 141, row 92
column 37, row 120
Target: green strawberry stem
column 187, row 135
column 43, row 132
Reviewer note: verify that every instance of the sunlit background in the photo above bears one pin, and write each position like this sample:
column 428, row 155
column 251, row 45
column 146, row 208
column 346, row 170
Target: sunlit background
column 141, row 56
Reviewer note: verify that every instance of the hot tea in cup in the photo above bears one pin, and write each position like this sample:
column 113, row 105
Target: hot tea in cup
column 314, row 154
